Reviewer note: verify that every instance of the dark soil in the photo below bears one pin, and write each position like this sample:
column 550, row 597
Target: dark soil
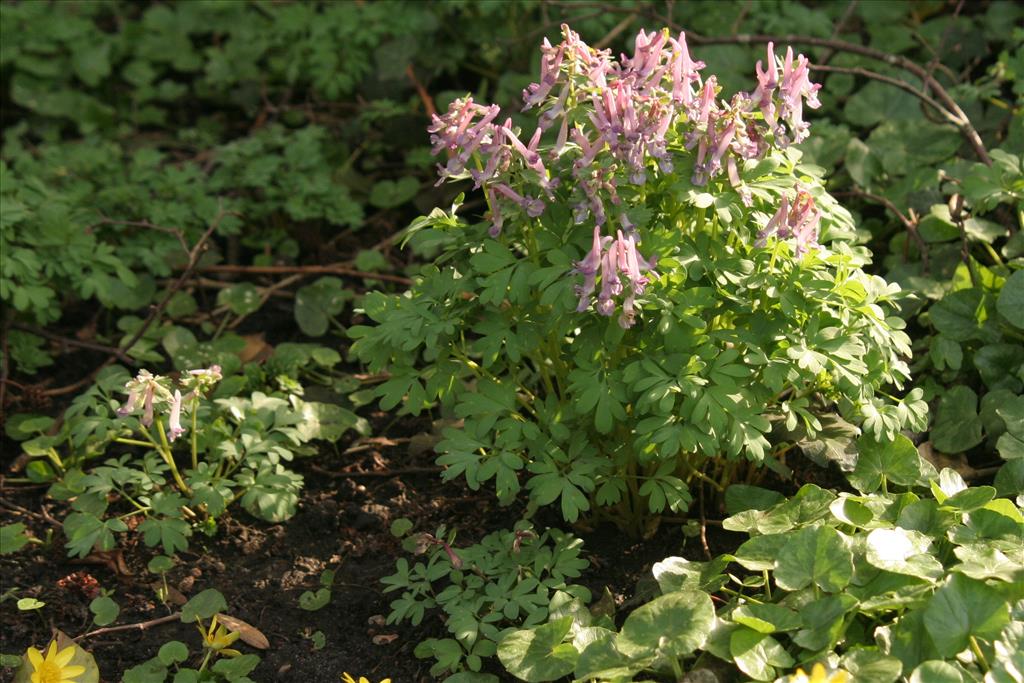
column 262, row 569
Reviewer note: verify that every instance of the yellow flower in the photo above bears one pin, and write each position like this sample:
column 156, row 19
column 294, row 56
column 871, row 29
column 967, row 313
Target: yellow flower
column 346, row 678
column 218, row 639
column 53, row 668
column 820, row 675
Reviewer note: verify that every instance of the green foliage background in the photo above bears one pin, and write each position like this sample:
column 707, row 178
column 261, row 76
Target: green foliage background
column 297, row 131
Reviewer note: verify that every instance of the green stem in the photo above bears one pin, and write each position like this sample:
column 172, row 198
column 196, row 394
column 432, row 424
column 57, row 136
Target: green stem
column 54, row 457
column 978, row 654
column 195, row 456
column 134, row 442
column 700, row 475
column 206, row 660
column 168, row 457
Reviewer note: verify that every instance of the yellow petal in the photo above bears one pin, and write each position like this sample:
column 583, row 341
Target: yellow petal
column 386, row 680
column 818, row 674
column 35, row 657
column 64, row 656
column 69, row 673
column 840, row 677
column 346, row 678
column 52, row 651
column 230, row 653
column 362, row 679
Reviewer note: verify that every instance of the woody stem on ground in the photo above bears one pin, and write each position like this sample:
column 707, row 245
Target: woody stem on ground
column 141, row 626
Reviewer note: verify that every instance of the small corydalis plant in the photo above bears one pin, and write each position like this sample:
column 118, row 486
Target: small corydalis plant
column 147, row 392
column 744, row 317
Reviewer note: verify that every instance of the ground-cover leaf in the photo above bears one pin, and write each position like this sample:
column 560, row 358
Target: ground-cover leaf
column 677, row 624
column 104, row 610
column 902, row 552
column 980, row 561
column 957, row 425
column 957, row 315
column 766, row 618
column 203, row 606
column 961, row 608
column 757, row 654
column 12, row 538
column 870, row 664
column 538, row 654
column 896, row 461
column 1010, row 303
column 936, row 671
column 814, row 555
column 740, row 497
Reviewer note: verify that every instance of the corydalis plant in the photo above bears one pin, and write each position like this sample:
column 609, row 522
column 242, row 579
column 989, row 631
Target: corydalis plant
column 148, row 392
column 619, row 123
column 743, row 315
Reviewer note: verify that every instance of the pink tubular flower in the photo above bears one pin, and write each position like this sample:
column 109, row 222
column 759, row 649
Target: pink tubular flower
column 144, row 391
column 174, row 423
column 684, row 72
column 495, row 215
column 623, row 273
column 550, row 63
column 531, row 205
column 799, row 221
column 588, row 268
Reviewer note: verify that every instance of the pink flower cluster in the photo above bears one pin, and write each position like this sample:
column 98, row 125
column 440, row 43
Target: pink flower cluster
column 721, row 128
column 457, row 134
column 619, row 121
column 799, row 221
column 617, row 260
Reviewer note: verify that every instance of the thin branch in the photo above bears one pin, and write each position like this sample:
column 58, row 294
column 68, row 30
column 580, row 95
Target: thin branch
column 193, row 260
column 67, row 341
column 141, row 626
column 179, row 234
column 425, row 98
column 895, row 82
column 960, row 119
column 329, row 269
column 616, row 30
column 828, row 54
column 909, row 223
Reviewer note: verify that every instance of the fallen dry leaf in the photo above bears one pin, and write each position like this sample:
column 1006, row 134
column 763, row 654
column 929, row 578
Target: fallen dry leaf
column 385, row 639
column 173, row 595
column 256, row 349
column 113, row 559
column 247, row 632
